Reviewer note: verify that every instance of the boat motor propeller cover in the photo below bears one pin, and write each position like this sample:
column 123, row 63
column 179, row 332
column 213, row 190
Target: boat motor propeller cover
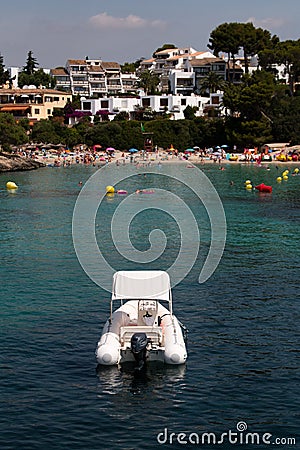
column 139, row 342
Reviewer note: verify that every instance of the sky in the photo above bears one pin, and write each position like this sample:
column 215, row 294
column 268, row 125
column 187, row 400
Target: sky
column 127, row 30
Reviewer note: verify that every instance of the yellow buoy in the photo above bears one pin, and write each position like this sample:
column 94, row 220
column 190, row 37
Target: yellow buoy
column 248, row 186
column 296, row 170
column 110, row 189
column 247, row 182
column 285, row 177
column 285, row 173
column 278, row 179
column 11, row 185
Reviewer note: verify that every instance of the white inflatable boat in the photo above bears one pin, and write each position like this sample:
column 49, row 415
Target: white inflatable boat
column 141, row 328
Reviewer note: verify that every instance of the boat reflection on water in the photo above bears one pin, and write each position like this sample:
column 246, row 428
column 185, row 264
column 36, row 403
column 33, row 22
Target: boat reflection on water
column 153, row 377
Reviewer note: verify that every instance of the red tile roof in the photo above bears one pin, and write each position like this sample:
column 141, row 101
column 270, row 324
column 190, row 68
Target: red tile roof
column 110, row 65
column 77, row 62
column 59, row 71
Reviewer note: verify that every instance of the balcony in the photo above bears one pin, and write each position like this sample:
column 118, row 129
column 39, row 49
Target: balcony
column 99, row 90
column 93, row 79
column 114, row 86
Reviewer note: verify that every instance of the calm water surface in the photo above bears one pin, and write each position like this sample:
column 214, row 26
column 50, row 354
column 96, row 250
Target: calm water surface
column 243, row 322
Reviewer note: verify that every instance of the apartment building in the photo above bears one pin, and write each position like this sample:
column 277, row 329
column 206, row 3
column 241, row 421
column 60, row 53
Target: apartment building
column 77, row 70
column 94, row 78
column 63, row 81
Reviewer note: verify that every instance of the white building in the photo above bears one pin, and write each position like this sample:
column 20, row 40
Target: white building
column 113, row 105
column 14, row 75
column 176, row 70
column 160, row 104
column 77, row 70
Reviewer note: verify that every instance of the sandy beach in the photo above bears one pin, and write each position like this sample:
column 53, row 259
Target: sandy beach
column 160, row 157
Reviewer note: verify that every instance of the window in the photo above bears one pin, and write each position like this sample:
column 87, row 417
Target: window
column 163, row 102
column 79, row 79
column 62, row 79
column 146, row 102
column 87, row 106
column 218, row 67
column 80, row 89
column 104, row 104
column 215, row 100
column 49, row 112
column 36, row 111
column 183, row 101
column 184, row 82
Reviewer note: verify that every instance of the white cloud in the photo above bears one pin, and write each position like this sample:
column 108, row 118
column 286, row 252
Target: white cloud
column 103, row 20
column 266, row 23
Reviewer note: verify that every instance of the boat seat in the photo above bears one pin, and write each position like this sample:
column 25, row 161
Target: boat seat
column 153, row 333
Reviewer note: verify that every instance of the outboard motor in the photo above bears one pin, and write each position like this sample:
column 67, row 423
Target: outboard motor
column 139, row 342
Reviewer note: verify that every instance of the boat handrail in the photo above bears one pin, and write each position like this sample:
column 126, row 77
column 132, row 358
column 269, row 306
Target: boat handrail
column 125, row 300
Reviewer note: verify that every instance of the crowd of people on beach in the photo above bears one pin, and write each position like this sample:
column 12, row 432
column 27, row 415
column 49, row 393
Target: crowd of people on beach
column 96, row 156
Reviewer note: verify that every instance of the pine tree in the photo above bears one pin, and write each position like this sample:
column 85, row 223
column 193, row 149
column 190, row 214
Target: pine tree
column 4, row 75
column 31, row 64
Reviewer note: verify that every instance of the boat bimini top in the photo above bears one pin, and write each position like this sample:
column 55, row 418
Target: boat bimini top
column 142, row 285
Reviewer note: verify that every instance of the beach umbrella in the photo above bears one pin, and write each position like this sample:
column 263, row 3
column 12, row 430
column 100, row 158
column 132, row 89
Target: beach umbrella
column 189, row 150
column 196, row 147
column 224, row 146
column 110, row 149
column 133, row 150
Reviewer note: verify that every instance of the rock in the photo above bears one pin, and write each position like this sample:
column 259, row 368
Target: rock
column 11, row 163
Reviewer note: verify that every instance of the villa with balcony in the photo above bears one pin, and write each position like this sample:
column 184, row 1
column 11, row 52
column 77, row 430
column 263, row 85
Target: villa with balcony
column 175, row 69
column 32, row 103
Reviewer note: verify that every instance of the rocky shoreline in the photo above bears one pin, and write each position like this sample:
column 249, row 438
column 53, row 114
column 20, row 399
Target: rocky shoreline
column 12, row 163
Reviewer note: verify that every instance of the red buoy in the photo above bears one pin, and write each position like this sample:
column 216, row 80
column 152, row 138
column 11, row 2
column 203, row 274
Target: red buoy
column 263, row 188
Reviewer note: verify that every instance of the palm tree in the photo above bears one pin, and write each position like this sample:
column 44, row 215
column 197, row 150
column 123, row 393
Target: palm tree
column 212, row 83
column 148, row 81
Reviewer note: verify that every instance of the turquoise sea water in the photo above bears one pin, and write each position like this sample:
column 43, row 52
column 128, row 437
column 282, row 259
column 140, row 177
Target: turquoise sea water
column 243, row 322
